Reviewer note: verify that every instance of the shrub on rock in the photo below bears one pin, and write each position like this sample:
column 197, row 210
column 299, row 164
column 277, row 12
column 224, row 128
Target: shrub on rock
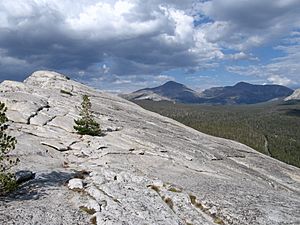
column 7, row 144
column 87, row 124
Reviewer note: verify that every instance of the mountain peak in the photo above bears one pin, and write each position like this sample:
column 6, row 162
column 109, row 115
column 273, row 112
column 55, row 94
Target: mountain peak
column 46, row 74
column 170, row 91
column 242, row 84
column 172, row 84
column 49, row 80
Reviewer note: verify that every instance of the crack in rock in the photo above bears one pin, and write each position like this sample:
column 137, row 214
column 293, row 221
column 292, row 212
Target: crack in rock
column 37, row 112
column 55, row 145
column 48, row 121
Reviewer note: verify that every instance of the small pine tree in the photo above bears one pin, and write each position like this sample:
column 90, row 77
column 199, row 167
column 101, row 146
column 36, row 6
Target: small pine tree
column 7, row 144
column 87, row 124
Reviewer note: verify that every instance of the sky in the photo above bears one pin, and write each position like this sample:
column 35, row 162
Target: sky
column 125, row 45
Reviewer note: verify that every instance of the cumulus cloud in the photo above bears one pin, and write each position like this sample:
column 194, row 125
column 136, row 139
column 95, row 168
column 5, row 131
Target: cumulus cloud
column 99, row 40
column 134, row 36
column 276, row 79
column 283, row 70
column 249, row 23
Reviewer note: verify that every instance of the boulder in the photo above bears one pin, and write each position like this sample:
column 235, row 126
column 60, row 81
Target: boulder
column 75, row 183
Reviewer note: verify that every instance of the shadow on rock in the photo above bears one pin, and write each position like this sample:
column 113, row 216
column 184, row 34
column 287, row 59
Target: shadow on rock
column 38, row 187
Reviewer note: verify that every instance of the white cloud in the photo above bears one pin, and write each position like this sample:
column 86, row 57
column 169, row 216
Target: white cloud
column 102, row 21
column 281, row 70
column 183, row 28
column 250, row 23
column 242, row 56
column 276, row 79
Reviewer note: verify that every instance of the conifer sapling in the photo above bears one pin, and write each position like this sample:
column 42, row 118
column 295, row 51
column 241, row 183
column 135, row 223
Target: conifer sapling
column 87, row 124
column 7, row 144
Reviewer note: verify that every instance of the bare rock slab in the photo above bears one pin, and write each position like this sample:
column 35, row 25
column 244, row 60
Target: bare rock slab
column 146, row 169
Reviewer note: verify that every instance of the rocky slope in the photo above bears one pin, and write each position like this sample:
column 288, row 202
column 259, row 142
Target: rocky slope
column 146, row 169
column 294, row 96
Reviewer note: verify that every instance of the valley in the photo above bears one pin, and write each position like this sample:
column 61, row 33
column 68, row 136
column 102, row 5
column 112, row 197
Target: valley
column 272, row 128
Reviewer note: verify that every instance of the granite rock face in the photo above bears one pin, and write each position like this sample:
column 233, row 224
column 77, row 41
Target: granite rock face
column 146, row 169
column 294, row 96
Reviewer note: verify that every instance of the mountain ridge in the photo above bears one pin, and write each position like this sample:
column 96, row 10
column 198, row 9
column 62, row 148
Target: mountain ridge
column 240, row 93
column 146, row 168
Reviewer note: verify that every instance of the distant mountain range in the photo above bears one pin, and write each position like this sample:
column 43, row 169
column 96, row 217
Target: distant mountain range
column 241, row 93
